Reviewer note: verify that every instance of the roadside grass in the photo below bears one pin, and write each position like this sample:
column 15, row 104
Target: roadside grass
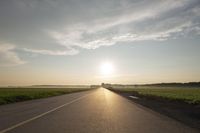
column 189, row 95
column 11, row 95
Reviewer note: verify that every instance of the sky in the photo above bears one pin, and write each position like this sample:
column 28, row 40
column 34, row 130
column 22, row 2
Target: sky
column 71, row 41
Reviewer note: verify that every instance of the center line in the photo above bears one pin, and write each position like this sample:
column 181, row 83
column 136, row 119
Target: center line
column 43, row 114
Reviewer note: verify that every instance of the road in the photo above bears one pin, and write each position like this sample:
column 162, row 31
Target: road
column 95, row 111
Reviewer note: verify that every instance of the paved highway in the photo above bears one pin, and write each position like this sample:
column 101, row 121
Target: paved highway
column 95, row 111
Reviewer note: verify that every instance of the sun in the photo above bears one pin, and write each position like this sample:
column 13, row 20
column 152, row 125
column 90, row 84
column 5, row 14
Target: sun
column 106, row 68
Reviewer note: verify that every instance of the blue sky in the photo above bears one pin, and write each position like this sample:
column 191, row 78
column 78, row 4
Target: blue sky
column 66, row 42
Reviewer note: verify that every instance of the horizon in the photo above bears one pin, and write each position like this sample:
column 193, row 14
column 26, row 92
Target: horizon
column 197, row 82
column 85, row 43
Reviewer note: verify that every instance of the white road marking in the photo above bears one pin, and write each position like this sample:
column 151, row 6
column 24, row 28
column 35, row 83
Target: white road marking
column 134, row 97
column 43, row 114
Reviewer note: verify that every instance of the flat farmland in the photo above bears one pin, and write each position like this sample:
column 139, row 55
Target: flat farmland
column 11, row 95
column 189, row 95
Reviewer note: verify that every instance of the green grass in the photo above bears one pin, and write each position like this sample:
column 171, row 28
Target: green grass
column 11, row 95
column 189, row 95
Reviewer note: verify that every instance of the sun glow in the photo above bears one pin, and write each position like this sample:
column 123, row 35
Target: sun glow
column 107, row 68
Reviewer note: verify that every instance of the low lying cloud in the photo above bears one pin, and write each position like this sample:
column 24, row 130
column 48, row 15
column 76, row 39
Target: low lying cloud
column 8, row 57
column 51, row 52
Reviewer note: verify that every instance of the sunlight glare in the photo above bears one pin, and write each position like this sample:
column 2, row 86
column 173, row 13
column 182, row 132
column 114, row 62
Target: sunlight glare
column 106, row 68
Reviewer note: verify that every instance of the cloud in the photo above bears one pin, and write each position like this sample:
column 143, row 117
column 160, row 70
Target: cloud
column 68, row 26
column 8, row 57
column 50, row 52
column 160, row 21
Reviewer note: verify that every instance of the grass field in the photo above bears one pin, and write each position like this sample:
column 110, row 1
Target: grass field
column 11, row 95
column 187, row 94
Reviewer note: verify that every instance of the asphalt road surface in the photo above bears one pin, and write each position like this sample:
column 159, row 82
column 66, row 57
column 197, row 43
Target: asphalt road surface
column 95, row 111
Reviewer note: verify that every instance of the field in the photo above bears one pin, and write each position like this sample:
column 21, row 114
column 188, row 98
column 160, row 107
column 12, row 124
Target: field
column 189, row 95
column 11, row 95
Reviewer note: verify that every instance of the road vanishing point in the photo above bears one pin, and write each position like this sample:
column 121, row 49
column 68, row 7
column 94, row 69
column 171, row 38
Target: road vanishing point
column 95, row 111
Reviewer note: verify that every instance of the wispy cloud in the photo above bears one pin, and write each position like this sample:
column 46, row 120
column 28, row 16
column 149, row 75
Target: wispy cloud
column 51, row 52
column 8, row 57
column 159, row 21
column 89, row 25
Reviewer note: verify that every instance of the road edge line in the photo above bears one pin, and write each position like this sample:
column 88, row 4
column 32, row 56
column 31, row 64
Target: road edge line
column 41, row 115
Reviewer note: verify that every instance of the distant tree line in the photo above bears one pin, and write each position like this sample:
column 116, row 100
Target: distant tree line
column 189, row 84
